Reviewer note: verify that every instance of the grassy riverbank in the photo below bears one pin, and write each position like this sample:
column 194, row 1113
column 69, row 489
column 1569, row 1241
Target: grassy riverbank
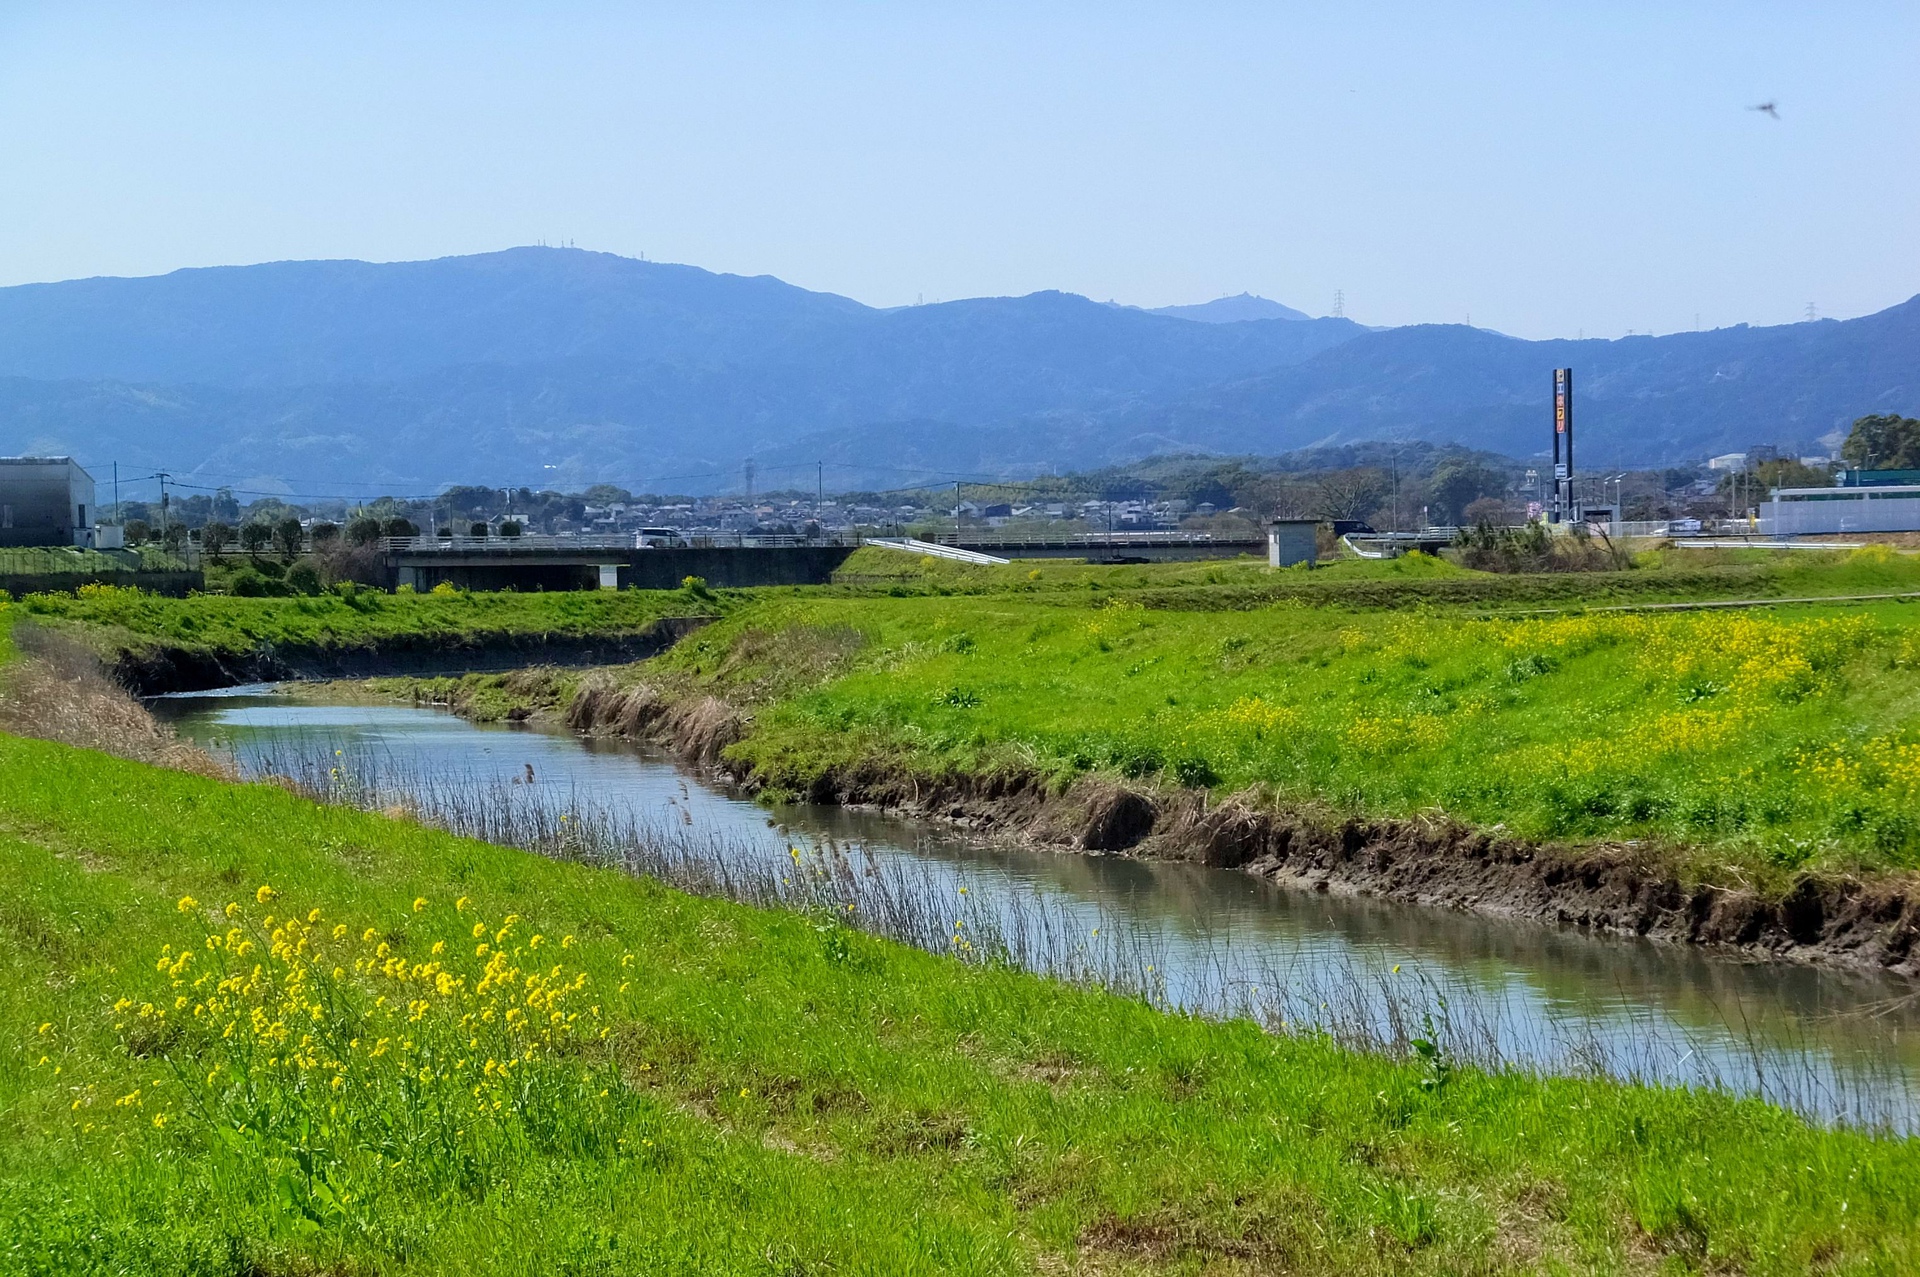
column 115, row 620
column 1669, row 575
column 1760, row 741
column 728, row 1089
column 118, row 619
column 1757, row 742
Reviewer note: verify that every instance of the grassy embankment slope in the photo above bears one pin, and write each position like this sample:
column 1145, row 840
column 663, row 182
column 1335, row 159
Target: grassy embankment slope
column 126, row 619
column 1661, row 575
column 1769, row 739
column 243, row 1033
column 119, row 621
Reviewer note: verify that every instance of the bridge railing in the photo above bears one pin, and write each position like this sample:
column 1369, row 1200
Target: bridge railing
column 1022, row 540
column 619, row 541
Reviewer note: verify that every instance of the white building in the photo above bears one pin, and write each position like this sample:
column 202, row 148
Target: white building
column 1728, row 461
column 1799, row 511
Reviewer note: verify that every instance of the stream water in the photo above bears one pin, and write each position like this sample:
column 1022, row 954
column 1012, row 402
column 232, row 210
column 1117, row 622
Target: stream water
column 1835, row 1045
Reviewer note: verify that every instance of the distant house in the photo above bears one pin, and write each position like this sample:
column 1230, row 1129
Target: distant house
column 1728, row 461
column 45, row 501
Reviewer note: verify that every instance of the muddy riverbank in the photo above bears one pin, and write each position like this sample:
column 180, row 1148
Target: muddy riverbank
column 1616, row 889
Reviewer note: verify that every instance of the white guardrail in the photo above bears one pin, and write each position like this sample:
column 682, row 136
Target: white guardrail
column 913, row 545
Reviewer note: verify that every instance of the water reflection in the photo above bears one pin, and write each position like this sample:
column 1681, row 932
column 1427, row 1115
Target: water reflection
column 1830, row 1043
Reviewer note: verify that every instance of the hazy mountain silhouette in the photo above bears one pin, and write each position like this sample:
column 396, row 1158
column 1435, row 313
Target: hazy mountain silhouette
column 565, row 367
column 1232, row 310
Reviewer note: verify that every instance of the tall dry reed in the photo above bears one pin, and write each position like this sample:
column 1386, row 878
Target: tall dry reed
column 56, row 689
column 908, row 899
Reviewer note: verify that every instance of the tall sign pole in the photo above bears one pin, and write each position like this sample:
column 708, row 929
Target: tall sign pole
column 1563, row 508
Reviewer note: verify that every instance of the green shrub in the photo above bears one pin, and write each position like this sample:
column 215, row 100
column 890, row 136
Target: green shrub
column 249, row 583
column 303, row 578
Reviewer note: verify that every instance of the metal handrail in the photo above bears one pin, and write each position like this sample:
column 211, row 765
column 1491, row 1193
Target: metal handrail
column 1158, row 537
column 625, row 541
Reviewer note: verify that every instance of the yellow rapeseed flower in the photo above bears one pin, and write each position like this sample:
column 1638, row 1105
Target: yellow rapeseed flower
column 265, row 894
column 419, row 903
column 187, row 904
column 460, row 905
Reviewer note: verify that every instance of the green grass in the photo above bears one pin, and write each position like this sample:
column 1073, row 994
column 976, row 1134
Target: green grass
column 221, row 623
column 127, row 619
column 1762, row 741
column 779, row 1095
column 1779, row 738
column 1672, row 575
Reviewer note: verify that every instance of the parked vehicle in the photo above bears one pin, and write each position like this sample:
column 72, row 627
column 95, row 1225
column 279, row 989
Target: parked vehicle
column 650, row 538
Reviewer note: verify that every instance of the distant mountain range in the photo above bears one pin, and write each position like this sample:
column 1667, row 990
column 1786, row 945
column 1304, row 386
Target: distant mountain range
column 562, row 367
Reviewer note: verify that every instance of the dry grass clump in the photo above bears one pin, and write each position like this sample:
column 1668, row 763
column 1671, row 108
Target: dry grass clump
column 55, row 689
column 1533, row 549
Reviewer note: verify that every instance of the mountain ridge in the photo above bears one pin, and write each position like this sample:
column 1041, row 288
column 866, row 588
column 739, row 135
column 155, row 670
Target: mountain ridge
column 562, row 366
column 1232, row 310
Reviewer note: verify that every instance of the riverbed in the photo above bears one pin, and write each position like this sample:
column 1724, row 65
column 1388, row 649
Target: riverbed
column 1835, row 1045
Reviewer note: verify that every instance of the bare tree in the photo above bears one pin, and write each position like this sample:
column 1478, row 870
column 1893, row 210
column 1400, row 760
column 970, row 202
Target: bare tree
column 1348, row 494
column 1292, row 500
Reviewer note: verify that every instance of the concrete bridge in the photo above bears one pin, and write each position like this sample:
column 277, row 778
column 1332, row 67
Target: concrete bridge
column 607, row 563
column 618, row 563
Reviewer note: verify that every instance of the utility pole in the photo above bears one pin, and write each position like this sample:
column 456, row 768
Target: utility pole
column 163, row 476
column 117, row 514
column 819, row 485
column 1395, row 516
column 956, row 511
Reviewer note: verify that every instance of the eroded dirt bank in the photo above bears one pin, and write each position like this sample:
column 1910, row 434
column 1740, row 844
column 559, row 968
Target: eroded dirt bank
column 1619, row 889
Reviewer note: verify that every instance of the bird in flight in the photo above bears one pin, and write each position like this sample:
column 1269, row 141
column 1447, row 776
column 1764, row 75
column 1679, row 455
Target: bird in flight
column 1767, row 108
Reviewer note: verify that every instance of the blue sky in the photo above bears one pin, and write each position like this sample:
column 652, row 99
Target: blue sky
column 1544, row 171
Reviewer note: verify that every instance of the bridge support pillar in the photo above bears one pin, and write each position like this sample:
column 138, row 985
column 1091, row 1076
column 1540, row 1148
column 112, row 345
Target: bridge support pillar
column 609, row 576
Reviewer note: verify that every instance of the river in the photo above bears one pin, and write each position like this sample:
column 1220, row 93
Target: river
column 1834, row 1045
